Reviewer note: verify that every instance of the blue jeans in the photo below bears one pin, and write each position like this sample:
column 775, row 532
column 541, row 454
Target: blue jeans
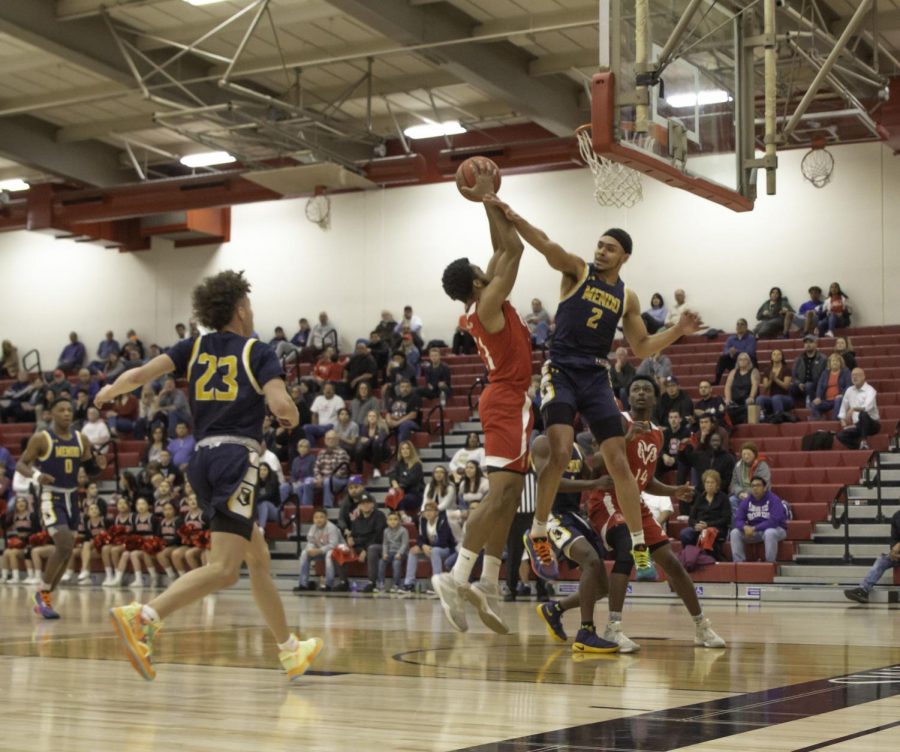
column 770, row 538
column 266, row 511
column 735, row 503
column 823, row 408
column 309, row 489
column 405, row 429
column 438, row 556
column 314, row 431
column 396, row 564
column 306, row 560
column 882, row 564
column 780, row 403
column 832, row 322
column 805, row 394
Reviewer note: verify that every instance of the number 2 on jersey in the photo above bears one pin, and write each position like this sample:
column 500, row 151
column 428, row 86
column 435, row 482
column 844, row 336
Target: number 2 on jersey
column 229, row 378
column 593, row 321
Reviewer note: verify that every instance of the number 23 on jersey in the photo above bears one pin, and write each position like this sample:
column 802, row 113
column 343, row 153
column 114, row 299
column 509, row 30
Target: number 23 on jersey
column 227, row 369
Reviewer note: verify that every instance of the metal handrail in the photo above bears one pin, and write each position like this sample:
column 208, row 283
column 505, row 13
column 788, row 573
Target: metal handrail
column 443, row 426
column 894, row 443
column 844, row 520
column 478, row 382
column 873, row 464
column 37, row 360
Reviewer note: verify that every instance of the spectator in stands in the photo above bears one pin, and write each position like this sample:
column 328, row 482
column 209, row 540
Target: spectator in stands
column 366, row 531
column 473, row 487
column 398, row 369
column 113, row 368
column 657, row 366
column 107, row 345
column 180, row 331
column 174, row 404
column 412, row 322
column 321, row 538
column 836, row 311
column 123, row 414
column 347, row 509
column 362, row 403
column 381, row 352
column 301, row 336
column 20, row 398
column 394, row 548
column 330, row 473
column 328, row 368
column 148, row 410
column 471, row 452
column 361, row 368
column 279, row 338
column 674, row 315
column 268, row 498
column 58, row 385
column 761, row 516
column 655, row 316
column 774, row 392
column 742, row 341
column 711, row 404
column 441, row 490
column 9, row 360
column 435, row 541
column 844, row 348
column 302, row 471
column 807, row 370
column 833, row 382
column 675, row 399
column 675, row 437
column 807, row 317
column 710, row 454
column 170, row 471
column 347, row 432
column 409, row 476
column 620, row 375
column 709, row 509
column 387, row 330
column 182, row 446
column 95, row 430
column 775, row 316
column 436, row 377
column 84, row 381
column 859, row 413
column 411, row 351
column 325, row 409
column 883, row 563
column 155, row 445
column 741, row 389
column 80, row 407
column 323, row 334
column 538, row 322
column 463, row 342
column 403, row 416
column 751, row 464
column 373, row 443
column 132, row 341
column 72, row 356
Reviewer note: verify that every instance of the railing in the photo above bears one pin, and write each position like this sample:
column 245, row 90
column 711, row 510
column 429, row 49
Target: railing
column 872, row 479
column 443, row 426
column 894, row 443
column 36, row 361
column 843, row 519
column 478, row 382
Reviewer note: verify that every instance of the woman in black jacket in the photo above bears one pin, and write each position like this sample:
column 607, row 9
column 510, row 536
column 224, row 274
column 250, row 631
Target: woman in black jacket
column 710, row 508
column 409, row 476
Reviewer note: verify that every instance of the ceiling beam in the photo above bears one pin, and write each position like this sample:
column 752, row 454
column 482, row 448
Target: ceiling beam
column 105, row 128
column 499, row 70
column 537, row 22
column 53, row 99
column 32, row 142
column 561, row 63
column 67, row 10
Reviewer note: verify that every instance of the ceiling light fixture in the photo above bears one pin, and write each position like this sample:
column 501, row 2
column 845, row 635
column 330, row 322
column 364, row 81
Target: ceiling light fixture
column 207, row 159
column 432, row 129
column 203, row 2
column 713, row 96
column 16, row 184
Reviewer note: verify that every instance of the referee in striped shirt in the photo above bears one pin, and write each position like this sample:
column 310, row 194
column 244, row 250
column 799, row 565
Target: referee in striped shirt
column 515, row 545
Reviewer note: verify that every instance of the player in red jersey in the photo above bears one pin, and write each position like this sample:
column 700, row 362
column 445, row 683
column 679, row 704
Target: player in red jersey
column 643, row 441
column 504, row 344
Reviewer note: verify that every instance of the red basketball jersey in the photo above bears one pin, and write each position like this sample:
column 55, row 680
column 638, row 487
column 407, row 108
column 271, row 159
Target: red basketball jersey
column 507, row 353
column 643, row 451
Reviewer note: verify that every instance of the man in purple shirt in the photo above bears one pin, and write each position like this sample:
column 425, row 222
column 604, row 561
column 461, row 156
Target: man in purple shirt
column 762, row 516
column 742, row 341
column 182, row 446
column 72, row 357
column 810, row 312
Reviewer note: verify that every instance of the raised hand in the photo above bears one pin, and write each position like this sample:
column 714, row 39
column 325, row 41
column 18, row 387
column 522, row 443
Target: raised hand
column 484, row 182
column 637, row 428
column 103, row 396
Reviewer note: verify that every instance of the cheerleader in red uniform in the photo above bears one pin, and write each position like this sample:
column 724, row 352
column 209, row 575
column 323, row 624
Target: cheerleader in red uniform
column 169, row 526
column 145, row 528
column 20, row 525
column 113, row 554
column 93, row 525
column 194, row 556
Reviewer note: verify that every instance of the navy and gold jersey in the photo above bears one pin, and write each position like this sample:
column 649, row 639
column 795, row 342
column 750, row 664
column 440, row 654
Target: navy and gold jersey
column 226, row 374
column 570, row 502
column 62, row 459
column 586, row 321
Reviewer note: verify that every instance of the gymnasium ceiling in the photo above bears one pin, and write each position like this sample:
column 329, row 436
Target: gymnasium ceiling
column 334, row 79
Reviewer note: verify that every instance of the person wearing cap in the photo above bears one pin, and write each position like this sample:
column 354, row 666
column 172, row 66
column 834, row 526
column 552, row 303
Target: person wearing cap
column 673, row 398
column 741, row 341
column 347, row 510
column 366, row 533
column 72, row 356
column 807, row 370
column 762, row 516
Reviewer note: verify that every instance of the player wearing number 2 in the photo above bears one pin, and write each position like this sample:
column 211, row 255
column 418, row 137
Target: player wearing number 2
column 231, row 378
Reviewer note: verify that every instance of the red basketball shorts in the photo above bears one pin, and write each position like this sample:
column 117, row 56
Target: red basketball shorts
column 507, row 420
column 605, row 514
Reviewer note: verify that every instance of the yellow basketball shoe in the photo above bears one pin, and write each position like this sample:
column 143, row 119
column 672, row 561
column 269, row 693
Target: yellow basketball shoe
column 137, row 637
column 296, row 662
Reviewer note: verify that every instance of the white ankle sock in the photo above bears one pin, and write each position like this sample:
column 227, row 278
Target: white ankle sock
column 44, row 585
column 291, row 644
column 464, row 564
column 110, row 573
column 170, row 573
column 637, row 539
column 490, row 569
column 148, row 614
column 538, row 528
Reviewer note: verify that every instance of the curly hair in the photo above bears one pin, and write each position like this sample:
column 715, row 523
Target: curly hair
column 216, row 297
column 458, row 279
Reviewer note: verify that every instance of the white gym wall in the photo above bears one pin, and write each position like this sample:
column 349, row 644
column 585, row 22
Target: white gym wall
column 388, row 248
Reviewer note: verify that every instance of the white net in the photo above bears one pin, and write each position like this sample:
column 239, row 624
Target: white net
column 614, row 183
column 817, row 167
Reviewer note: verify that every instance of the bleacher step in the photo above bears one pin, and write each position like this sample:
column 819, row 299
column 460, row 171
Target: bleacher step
column 859, row 532
column 829, row 572
column 827, row 593
column 831, row 550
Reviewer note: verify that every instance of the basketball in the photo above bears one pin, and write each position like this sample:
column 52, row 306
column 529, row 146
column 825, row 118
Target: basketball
column 465, row 174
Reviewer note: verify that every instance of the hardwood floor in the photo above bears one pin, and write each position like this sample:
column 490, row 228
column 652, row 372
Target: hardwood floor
column 393, row 676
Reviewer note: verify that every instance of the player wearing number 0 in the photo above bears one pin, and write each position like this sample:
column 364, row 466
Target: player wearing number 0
column 643, row 444
column 232, row 378
column 575, row 378
column 60, row 450
column 504, row 344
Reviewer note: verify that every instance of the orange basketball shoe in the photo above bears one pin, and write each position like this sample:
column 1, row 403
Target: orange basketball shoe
column 137, row 637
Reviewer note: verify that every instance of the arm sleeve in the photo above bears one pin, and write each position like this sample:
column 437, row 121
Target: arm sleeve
column 180, row 355
column 404, row 542
column 334, row 537
column 842, row 413
column 265, row 364
column 869, row 406
column 740, row 519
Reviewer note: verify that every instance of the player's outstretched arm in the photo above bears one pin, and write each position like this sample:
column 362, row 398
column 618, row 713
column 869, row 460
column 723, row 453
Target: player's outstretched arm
column 644, row 344
column 134, row 378
column 280, row 403
column 506, row 268
column 558, row 258
column 683, row 492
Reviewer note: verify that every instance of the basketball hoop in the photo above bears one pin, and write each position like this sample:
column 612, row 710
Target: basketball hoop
column 614, row 183
column 818, row 164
